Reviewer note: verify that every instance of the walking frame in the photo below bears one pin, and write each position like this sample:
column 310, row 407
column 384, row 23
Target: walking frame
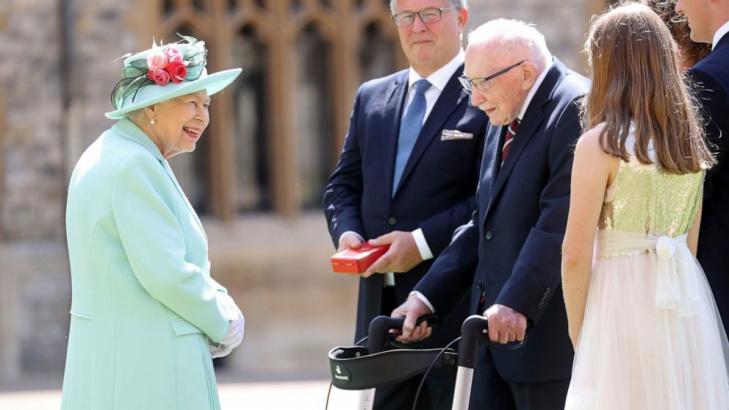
column 382, row 362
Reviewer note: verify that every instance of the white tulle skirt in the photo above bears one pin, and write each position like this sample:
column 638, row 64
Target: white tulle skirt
column 651, row 337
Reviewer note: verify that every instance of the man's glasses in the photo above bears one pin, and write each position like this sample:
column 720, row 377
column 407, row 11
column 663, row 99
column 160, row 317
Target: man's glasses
column 484, row 83
column 427, row 16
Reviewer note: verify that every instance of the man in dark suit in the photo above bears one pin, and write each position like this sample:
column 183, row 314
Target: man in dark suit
column 407, row 175
column 709, row 23
column 508, row 256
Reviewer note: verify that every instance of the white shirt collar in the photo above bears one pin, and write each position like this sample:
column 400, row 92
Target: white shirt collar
column 534, row 89
column 723, row 30
column 441, row 76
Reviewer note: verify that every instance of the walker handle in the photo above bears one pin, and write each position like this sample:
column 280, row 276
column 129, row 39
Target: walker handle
column 380, row 327
column 474, row 332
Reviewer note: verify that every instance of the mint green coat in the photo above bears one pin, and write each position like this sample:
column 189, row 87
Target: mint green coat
column 143, row 304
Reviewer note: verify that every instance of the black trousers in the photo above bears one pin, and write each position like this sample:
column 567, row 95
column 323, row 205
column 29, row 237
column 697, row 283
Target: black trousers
column 491, row 392
column 436, row 394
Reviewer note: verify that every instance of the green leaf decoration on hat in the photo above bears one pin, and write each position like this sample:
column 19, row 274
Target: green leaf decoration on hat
column 196, row 55
column 189, row 39
column 134, row 74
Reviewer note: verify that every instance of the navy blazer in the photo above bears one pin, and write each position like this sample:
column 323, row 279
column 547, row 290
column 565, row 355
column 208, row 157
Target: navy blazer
column 510, row 251
column 435, row 193
column 711, row 76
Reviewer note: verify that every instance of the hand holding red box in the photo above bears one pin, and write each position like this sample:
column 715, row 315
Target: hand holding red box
column 356, row 261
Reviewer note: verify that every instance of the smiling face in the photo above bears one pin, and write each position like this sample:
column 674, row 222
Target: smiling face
column 429, row 47
column 179, row 123
column 507, row 92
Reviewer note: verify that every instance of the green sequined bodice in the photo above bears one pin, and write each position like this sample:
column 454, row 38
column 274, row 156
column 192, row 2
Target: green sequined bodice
column 644, row 199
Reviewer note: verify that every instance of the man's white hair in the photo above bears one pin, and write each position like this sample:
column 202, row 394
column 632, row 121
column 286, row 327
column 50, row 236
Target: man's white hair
column 458, row 4
column 512, row 36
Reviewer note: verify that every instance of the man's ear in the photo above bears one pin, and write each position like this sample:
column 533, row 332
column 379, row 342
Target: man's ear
column 462, row 18
column 528, row 75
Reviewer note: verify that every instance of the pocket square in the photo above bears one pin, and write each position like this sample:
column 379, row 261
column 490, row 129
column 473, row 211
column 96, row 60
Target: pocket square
column 450, row 135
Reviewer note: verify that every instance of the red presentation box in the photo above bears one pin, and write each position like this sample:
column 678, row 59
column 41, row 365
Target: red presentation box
column 356, row 261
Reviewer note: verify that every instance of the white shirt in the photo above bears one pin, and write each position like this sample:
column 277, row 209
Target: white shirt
column 723, row 30
column 438, row 80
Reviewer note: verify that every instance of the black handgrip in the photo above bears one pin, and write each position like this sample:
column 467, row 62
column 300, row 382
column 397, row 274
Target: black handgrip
column 472, row 335
column 474, row 332
column 379, row 331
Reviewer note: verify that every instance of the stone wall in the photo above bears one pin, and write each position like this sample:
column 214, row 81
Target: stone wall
column 31, row 80
column 101, row 32
column 56, row 71
column 296, row 309
column 34, row 303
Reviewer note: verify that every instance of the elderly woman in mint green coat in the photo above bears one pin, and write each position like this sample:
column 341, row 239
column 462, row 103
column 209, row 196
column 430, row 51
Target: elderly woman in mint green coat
column 146, row 317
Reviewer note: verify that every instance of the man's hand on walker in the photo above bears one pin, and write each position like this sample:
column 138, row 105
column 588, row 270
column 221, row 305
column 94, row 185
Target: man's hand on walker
column 412, row 309
column 505, row 324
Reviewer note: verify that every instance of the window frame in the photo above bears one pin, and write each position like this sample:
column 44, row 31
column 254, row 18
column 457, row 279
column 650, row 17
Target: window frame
column 342, row 24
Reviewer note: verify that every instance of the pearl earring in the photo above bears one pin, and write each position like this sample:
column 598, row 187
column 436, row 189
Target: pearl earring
column 152, row 122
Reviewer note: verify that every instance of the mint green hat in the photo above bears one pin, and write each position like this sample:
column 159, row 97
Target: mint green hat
column 164, row 72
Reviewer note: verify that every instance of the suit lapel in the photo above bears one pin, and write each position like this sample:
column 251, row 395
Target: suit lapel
column 521, row 140
column 533, row 118
column 391, row 127
column 450, row 98
column 490, row 161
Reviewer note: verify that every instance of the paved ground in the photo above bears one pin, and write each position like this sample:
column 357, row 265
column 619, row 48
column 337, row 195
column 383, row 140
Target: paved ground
column 308, row 395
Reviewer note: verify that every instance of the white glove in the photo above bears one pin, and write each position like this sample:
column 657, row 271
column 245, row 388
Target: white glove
column 234, row 335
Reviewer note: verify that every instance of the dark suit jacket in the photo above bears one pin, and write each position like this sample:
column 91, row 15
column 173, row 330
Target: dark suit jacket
column 510, row 252
column 435, row 193
column 711, row 76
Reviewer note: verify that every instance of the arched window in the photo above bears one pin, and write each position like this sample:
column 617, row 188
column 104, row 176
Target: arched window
column 377, row 52
column 275, row 133
column 250, row 127
column 312, row 114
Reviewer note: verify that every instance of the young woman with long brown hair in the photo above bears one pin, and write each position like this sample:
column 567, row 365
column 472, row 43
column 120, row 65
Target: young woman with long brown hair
column 641, row 315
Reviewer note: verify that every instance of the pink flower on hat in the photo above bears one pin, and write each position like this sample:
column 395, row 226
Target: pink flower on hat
column 159, row 76
column 159, row 66
column 177, row 71
column 156, row 60
column 173, row 55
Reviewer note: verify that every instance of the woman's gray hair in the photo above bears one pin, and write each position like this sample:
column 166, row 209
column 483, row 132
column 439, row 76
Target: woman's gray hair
column 457, row 4
column 513, row 36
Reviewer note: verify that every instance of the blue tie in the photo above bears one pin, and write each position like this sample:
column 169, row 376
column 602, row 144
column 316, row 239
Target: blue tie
column 410, row 127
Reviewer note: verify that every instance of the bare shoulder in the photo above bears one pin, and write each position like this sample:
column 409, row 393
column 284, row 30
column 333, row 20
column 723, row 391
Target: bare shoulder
column 589, row 153
column 589, row 142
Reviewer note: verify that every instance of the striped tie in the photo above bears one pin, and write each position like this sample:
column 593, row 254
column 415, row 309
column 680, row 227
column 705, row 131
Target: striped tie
column 510, row 132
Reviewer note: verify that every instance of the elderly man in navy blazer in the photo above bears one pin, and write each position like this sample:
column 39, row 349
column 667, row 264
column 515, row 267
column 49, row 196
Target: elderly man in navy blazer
column 407, row 174
column 709, row 23
column 508, row 256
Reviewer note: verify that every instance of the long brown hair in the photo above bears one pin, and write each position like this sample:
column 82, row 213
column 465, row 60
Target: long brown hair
column 636, row 79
